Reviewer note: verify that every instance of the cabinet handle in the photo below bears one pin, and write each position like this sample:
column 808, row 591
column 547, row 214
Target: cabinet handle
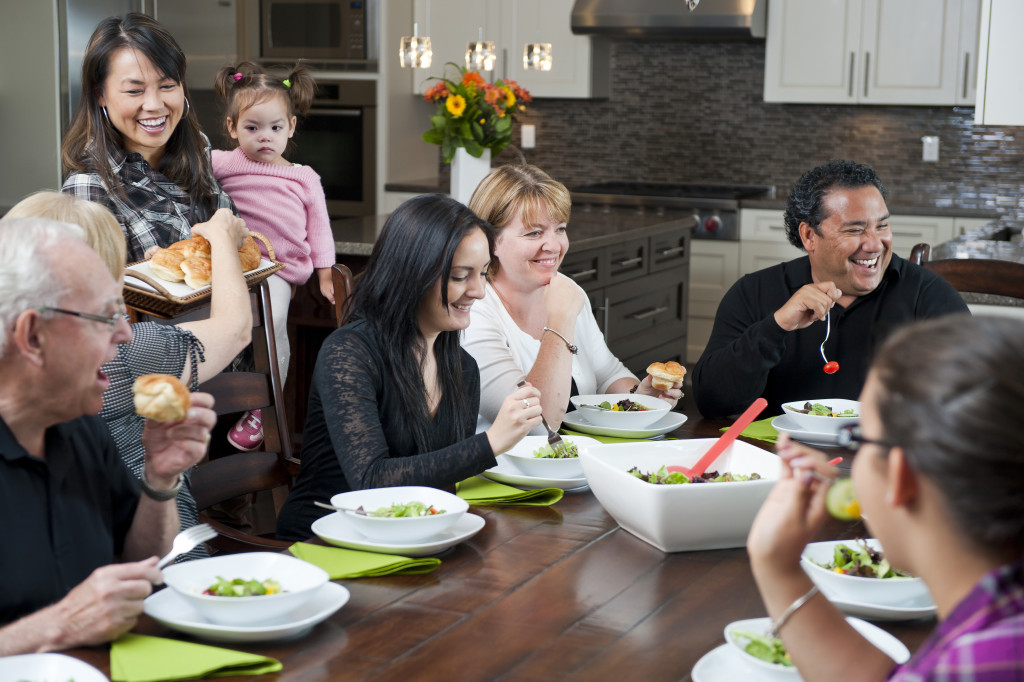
column 867, row 71
column 583, row 273
column 607, row 318
column 504, row 63
column 853, row 58
column 967, row 71
column 649, row 313
column 629, row 261
column 673, row 251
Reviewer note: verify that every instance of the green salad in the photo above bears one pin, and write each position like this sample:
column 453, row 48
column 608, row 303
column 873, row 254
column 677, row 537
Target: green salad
column 407, row 510
column 664, row 477
column 768, row 649
column 819, row 410
column 861, row 561
column 240, row 587
column 545, row 452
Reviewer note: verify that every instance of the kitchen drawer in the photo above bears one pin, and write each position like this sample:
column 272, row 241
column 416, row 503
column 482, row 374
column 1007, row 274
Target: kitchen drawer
column 648, row 308
column 670, row 250
column 587, row 268
column 627, row 260
column 638, row 361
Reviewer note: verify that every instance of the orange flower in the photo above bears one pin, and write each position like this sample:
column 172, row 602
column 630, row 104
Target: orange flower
column 473, row 80
column 455, row 104
column 436, row 92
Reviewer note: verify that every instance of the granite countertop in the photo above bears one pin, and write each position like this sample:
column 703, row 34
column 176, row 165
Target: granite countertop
column 897, row 206
column 587, row 229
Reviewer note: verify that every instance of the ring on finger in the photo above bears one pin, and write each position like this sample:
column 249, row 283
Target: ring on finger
column 526, row 404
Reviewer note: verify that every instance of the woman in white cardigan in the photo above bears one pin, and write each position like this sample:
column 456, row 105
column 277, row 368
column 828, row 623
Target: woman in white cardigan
column 534, row 322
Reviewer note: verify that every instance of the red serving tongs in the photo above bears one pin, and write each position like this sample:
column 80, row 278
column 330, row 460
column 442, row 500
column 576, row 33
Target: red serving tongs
column 724, row 441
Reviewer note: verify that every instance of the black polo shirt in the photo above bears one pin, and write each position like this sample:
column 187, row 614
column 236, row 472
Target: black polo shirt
column 63, row 516
column 749, row 355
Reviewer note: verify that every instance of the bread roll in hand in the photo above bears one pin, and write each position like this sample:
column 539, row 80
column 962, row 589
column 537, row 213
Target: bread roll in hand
column 249, row 255
column 664, row 374
column 161, row 397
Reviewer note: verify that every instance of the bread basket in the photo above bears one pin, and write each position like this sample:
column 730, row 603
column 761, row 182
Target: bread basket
column 159, row 300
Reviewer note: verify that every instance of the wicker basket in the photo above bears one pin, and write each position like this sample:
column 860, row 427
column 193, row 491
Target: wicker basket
column 162, row 303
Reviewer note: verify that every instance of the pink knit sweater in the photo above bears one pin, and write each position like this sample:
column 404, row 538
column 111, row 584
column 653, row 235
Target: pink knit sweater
column 284, row 203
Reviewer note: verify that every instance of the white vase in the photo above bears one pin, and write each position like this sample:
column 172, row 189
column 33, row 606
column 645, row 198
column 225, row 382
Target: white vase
column 467, row 172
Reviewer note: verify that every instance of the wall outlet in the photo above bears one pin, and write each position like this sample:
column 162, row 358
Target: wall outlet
column 930, row 148
column 528, row 136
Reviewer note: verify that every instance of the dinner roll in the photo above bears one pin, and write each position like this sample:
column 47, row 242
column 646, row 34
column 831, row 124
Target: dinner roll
column 249, row 255
column 198, row 271
column 161, row 397
column 193, row 246
column 166, row 264
column 664, row 374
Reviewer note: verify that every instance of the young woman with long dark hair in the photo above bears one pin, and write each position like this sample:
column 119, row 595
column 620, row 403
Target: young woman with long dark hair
column 395, row 398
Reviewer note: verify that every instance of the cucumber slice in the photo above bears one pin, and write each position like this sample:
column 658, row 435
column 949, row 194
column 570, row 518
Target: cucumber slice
column 841, row 501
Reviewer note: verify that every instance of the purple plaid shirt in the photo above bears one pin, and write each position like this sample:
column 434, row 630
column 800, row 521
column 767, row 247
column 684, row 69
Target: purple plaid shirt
column 983, row 638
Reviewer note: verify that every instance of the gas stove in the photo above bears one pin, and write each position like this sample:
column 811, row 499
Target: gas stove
column 714, row 207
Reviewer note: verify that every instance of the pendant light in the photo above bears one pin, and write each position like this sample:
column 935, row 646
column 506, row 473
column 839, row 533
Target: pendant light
column 414, row 51
column 537, row 57
column 480, row 54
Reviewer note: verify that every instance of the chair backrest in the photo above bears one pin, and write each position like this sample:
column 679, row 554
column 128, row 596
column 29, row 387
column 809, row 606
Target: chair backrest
column 229, row 473
column 342, row 276
column 974, row 275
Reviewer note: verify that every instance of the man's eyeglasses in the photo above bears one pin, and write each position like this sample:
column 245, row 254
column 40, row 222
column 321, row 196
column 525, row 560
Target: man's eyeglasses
column 111, row 321
column 850, row 437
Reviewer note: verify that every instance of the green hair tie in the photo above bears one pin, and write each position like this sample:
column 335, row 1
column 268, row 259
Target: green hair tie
column 287, row 83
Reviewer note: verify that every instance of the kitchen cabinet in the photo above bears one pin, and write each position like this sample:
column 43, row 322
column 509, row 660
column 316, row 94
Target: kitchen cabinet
column 714, row 267
column 871, row 51
column 638, row 290
column 579, row 63
column 1000, row 99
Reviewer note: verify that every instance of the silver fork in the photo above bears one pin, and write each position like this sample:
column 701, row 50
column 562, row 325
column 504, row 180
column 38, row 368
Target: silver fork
column 555, row 441
column 828, row 328
column 186, row 541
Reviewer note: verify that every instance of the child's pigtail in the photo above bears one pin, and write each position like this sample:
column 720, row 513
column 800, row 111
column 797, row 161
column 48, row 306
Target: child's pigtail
column 301, row 88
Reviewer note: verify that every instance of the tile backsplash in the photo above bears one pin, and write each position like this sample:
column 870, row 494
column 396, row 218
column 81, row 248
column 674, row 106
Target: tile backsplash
column 694, row 112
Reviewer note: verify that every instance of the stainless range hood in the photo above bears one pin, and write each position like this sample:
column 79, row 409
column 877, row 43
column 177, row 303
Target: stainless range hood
column 711, row 19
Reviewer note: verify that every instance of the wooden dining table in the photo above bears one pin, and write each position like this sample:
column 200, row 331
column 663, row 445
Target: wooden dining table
column 541, row 593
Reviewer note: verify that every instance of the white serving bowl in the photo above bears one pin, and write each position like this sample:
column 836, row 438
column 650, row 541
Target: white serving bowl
column 401, row 530
column 764, row 670
column 522, row 456
column 854, row 588
column 818, row 424
column 299, row 581
column 658, row 408
column 684, row 517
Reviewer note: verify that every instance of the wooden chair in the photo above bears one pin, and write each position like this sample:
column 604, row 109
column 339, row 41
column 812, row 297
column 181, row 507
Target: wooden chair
column 272, row 468
column 343, row 282
column 974, row 275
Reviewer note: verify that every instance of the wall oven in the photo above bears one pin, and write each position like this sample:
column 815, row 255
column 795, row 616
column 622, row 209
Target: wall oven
column 338, row 139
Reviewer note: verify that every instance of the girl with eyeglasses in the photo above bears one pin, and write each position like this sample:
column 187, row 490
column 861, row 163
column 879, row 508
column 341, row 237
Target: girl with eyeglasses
column 939, row 475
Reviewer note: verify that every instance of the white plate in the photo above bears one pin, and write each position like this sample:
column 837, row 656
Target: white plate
column 783, row 424
column 908, row 610
column 336, row 530
column 670, row 422
column 48, row 667
column 721, row 664
column 167, row 607
column 179, row 289
column 506, row 472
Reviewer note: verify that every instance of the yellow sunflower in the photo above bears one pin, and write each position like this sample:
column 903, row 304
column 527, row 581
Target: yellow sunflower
column 455, row 104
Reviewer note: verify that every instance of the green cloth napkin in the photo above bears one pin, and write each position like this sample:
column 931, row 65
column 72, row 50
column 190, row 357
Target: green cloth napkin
column 141, row 658
column 759, row 430
column 353, row 563
column 607, row 439
column 485, row 491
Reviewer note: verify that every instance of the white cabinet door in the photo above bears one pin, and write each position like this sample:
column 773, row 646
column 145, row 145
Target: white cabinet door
column 908, row 230
column 756, row 256
column 967, row 74
column 714, row 267
column 451, row 24
column 1000, row 99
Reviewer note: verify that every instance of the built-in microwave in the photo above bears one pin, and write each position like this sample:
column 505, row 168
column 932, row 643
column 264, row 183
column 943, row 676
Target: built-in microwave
column 337, row 33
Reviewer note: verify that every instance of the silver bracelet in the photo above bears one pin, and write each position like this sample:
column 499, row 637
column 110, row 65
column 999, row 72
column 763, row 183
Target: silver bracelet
column 160, row 495
column 776, row 625
column 572, row 349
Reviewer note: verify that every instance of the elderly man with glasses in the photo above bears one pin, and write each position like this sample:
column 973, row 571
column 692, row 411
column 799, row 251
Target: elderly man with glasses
column 71, row 505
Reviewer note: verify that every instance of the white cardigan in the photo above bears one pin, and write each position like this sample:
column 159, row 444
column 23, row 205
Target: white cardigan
column 505, row 354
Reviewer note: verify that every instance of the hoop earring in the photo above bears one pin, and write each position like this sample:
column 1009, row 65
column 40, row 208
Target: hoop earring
column 105, row 115
column 187, row 107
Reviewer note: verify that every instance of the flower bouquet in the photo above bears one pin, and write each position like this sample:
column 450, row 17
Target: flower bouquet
column 473, row 113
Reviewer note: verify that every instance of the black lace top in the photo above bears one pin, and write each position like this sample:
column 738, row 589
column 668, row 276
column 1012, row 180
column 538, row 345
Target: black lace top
column 356, row 436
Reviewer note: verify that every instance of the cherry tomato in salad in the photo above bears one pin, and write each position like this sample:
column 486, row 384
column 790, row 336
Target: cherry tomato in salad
column 831, row 367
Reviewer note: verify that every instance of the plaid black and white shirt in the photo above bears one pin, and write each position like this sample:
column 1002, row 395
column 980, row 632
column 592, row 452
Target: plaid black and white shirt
column 153, row 211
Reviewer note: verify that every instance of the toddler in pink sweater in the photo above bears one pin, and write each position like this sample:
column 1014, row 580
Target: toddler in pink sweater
column 283, row 201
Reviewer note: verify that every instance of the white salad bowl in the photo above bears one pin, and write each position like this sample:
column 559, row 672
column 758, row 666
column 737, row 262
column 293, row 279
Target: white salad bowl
column 855, row 588
column 398, row 530
column 682, row 517
column 656, row 409
column 524, row 456
column 822, row 424
column 299, row 581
